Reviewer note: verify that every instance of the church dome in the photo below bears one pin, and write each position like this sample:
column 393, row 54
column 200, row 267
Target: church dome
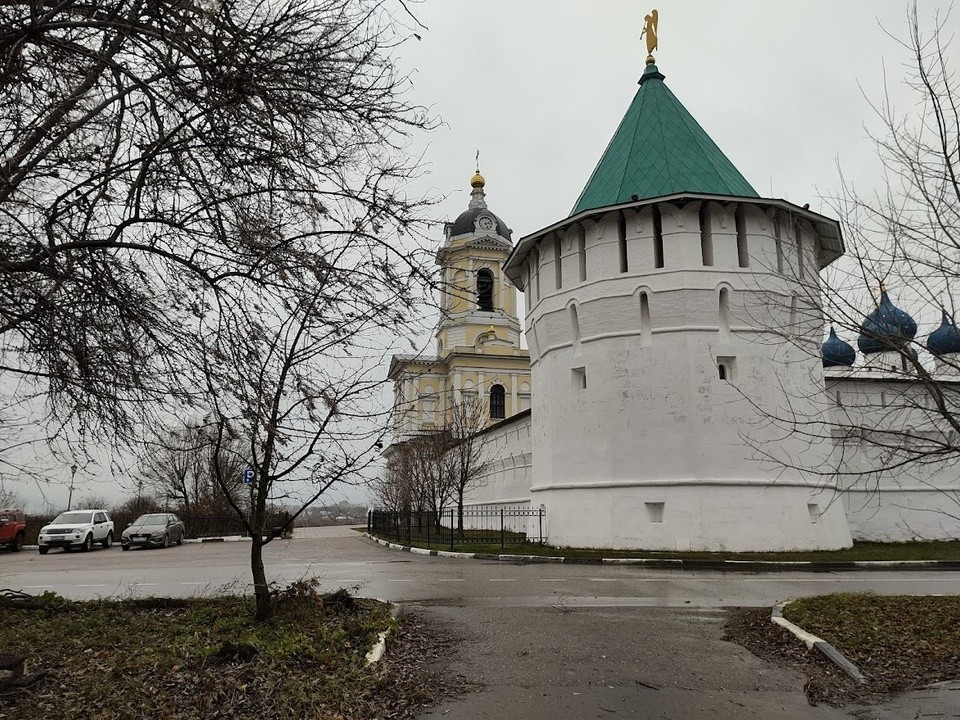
column 886, row 328
column 466, row 223
column 945, row 339
column 467, row 220
column 836, row 352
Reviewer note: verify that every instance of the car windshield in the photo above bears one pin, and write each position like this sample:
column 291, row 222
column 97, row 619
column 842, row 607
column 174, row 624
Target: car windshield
column 151, row 520
column 73, row 517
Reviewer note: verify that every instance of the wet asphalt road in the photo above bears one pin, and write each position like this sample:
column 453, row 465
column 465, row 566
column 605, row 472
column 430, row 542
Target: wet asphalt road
column 547, row 641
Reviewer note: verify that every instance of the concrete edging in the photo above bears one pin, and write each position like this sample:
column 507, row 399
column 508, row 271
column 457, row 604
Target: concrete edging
column 379, row 648
column 678, row 564
column 812, row 641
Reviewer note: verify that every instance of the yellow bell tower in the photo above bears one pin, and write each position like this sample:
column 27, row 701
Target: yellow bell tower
column 479, row 361
column 478, row 301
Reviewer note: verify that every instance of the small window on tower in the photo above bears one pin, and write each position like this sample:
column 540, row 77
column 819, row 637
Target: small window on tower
column 485, row 290
column 727, row 368
column 580, row 378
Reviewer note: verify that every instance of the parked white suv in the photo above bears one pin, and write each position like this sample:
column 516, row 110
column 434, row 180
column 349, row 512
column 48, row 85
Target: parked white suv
column 77, row 528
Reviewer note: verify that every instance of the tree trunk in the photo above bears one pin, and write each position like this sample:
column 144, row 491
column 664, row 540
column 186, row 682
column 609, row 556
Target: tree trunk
column 261, row 590
column 460, row 513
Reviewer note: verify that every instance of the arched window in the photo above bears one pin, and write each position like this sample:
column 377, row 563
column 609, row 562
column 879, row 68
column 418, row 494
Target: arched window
column 743, row 253
column 582, row 252
column 558, row 262
column 485, row 290
column 706, row 236
column 622, row 241
column 657, row 238
column 575, row 324
column 645, row 329
column 724, row 315
column 498, row 402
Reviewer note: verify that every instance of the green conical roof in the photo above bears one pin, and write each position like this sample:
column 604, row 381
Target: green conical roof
column 659, row 149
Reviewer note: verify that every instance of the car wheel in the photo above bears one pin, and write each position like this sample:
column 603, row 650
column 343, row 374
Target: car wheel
column 180, row 539
column 44, row 550
column 166, row 540
column 18, row 543
column 87, row 543
column 125, row 547
column 108, row 540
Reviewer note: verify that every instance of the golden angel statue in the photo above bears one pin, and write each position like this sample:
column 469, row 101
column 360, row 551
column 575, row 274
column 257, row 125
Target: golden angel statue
column 650, row 30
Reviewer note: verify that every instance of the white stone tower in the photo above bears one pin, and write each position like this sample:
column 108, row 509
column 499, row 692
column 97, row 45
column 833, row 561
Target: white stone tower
column 653, row 319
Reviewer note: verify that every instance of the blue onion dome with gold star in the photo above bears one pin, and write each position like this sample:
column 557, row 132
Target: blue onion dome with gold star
column 886, row 328
column 945, row 339
column 837, row 353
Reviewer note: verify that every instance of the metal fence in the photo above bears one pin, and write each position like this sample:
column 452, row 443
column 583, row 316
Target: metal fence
column 503, row 526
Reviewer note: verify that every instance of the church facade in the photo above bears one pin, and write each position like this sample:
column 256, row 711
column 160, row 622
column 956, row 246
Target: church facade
column 669, row 319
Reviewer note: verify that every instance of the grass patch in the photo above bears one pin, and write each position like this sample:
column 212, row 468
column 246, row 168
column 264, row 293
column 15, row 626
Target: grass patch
column 899, row 642
column 195, row 658
column 861, row 551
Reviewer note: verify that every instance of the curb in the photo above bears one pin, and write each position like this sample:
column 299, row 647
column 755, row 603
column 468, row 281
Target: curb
column 379, row 648
column 678, row 564
column 228, row 538
column 812, row 641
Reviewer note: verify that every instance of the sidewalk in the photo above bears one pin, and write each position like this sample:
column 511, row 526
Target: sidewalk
column 676, row 564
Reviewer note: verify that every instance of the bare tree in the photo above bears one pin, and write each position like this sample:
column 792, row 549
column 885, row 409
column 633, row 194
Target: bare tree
column 302, row 401
column 463, row 460
column 392, row 489
column 154, row 157
column 10, row 499
column 178, row 465
column 203, row 212
column 435, row 469
column 897, row 414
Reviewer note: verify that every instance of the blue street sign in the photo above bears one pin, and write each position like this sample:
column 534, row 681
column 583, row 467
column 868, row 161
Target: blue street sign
column 248, row 475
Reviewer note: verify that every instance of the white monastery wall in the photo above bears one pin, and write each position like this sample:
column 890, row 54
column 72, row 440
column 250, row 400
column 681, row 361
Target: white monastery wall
column 918, row 500
column 505, row 477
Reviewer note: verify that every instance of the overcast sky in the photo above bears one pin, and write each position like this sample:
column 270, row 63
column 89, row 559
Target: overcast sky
column 539, row 87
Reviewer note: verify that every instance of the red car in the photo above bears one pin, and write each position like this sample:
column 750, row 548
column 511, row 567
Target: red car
column 13, row 528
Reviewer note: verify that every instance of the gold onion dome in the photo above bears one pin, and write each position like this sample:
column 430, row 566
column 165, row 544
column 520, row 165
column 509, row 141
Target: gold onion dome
column 477, row 180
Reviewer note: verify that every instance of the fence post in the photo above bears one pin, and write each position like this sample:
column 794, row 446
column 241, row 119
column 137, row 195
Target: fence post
column 409, row 530
column 501, row 529
column 540, row 514
column 451, row 529
column 369, row 522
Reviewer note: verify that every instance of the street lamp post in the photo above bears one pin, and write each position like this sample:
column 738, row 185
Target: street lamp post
column 73, row 474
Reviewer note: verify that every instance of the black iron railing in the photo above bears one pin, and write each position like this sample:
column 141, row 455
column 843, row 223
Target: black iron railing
column 498, row 525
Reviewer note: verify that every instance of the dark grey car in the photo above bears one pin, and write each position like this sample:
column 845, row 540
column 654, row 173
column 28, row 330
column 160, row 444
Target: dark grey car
column 154, row 529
